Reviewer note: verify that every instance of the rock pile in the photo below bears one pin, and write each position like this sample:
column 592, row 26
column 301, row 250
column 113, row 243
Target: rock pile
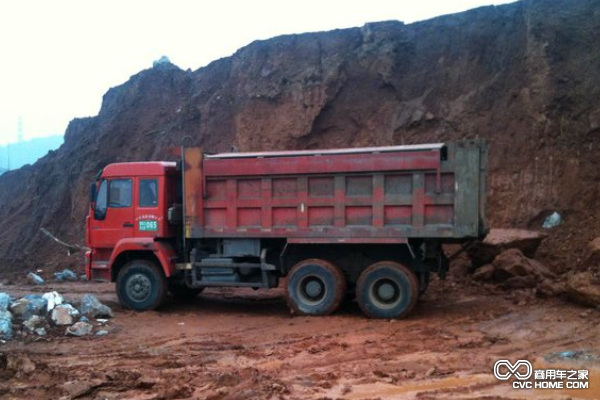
column 66, row 275
column 37, row 314
column 507, row 261
column 513, row 270
column 500, row 240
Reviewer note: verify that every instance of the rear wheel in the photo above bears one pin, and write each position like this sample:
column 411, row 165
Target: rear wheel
column 141, row 285
column 315, row 287
column 387, row 290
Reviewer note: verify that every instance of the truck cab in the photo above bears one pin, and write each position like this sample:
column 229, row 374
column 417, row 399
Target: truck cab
column 129, row 204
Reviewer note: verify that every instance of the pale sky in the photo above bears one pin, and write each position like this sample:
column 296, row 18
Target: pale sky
column 59, row 57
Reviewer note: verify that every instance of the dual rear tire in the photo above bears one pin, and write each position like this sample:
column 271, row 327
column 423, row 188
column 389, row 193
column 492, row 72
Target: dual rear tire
column 385, row 289
column 315, row 287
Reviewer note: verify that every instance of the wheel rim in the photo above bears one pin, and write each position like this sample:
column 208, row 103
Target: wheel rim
column 312, row 290
column 138, row 287
column 386, row 293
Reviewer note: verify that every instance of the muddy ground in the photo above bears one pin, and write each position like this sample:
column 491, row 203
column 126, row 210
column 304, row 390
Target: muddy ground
column 243, row 344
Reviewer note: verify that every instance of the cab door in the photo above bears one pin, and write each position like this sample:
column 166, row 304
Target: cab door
column 113, row 217
column 149, row 207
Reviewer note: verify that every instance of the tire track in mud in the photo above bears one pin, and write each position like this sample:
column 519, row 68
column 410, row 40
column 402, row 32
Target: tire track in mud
column 229, row 349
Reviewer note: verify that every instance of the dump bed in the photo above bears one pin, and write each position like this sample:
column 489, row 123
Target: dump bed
column 366, row 195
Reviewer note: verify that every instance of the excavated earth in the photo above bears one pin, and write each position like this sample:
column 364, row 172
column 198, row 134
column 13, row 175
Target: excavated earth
column 524, row 76
column 232, row 344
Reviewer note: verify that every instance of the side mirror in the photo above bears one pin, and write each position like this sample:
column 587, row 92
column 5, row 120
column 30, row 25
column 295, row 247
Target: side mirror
column 92, row 193
column 99, row 214
column 99, row 199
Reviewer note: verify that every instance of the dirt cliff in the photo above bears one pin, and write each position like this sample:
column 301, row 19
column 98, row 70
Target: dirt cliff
column 523, row 75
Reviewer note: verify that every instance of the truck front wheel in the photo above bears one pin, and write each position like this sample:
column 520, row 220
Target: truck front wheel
column 315, row 287
column 141, row 285
column 387, row 290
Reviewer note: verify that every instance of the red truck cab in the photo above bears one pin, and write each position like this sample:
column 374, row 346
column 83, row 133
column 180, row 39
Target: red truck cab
column 129, row 214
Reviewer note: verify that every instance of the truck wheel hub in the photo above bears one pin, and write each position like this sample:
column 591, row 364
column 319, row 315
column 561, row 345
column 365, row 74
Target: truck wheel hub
column 313, row 289
column 386, row 291
column 138, row 287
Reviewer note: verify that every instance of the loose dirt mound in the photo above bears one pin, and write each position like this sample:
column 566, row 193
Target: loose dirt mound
column 523, row 75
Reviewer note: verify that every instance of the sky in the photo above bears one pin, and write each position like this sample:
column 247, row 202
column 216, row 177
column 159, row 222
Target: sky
column 59, row 57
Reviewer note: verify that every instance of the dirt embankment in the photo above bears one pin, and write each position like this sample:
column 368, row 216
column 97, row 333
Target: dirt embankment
column 523, row 75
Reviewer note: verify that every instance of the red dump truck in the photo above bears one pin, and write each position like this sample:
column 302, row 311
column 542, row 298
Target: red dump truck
column 363, row 222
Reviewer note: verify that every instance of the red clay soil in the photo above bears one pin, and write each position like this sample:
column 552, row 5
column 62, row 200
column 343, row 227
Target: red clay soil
column 232, row 344
column 522, row 75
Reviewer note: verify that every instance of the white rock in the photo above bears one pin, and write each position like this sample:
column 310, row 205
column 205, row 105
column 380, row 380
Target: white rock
column 34, row 323
column 63, row 314
column 79, row 329
column 54, row 299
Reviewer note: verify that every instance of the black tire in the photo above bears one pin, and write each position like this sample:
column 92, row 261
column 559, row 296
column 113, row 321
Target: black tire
column 182, row 292
column 387, row 290
column 315, row 287
column 141, row 285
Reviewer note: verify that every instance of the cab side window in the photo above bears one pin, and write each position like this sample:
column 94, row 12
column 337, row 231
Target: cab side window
column 119, row 193
column 101, row 201
column 148, row 192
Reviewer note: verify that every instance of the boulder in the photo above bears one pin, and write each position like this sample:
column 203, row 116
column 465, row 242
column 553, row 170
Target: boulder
column 64, row 314
column 79, row 329
column 513, row 263
column 4, row 301
column 584, row 288
column 53, row 299
column 66, row 275
column 35, row 323
column 591, row 259
column 513, row 270
column 92, row 308
column 34, row 278
column 5, row 324
column 18, row 307
column 29, row 305
column 37, row 305
column 551, row 288
column 485, row 273
column 500, row 240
